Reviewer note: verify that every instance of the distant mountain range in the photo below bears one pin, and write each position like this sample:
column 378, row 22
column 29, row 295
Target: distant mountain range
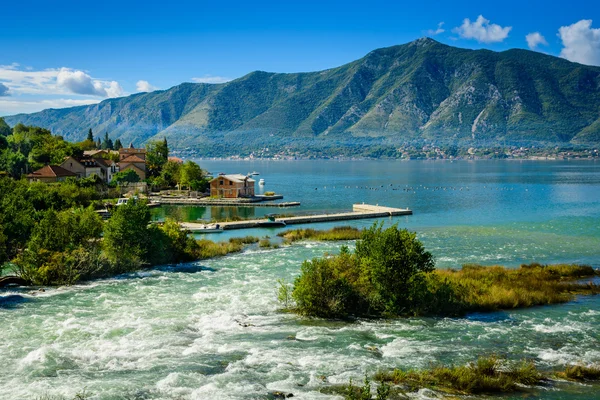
column 400, row 94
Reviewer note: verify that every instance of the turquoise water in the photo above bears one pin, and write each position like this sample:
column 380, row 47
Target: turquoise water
column 213, row 329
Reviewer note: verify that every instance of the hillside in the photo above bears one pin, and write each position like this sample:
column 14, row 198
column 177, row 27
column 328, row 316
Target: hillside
column 420, row 90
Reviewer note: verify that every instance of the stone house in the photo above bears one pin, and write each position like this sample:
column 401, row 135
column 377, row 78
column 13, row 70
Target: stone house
column 50, row 173
column 87, row 166
column 132, row 158
column 232, row 186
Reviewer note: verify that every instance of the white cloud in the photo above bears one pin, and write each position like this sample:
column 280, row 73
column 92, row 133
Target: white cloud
column 10, row 107
column 535, row 39
column 581, row 43
column 145, row 86
column 211, row 79
column 439, row 30
column 79, row 82
column 4, row 90
column 482, row 31
column 53, row 81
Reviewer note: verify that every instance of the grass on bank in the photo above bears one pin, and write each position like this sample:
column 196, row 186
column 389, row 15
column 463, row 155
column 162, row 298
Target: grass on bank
column 336, row 233
column 480, row 288
column 580, row 373
column 486, row 375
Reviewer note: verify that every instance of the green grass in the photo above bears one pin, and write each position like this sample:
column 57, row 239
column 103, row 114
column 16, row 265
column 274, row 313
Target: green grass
column 486, row 375
column 580, row 373
column 480, row 288
column 210, row 249
column 336, row 233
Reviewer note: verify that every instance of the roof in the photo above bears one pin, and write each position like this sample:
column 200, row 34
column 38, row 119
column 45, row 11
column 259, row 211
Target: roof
column 238, row 178
column 51, row 171
column 175, row 159
column 131, row 150
column 103, row 163
column 132, row 159
column 93, row 152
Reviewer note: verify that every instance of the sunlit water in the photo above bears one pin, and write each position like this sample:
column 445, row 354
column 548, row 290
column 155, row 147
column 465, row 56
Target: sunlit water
column 213, row 329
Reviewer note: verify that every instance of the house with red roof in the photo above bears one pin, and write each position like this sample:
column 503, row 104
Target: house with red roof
column 50, row 173
column 134, row 159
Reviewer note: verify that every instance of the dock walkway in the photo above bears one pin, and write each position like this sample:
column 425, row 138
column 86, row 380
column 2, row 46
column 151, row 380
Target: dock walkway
column 359, row 211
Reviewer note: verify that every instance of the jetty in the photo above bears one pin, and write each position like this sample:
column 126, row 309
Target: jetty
column 359, row 211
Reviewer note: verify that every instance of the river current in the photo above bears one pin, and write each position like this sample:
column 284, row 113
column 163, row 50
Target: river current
column 214, row 329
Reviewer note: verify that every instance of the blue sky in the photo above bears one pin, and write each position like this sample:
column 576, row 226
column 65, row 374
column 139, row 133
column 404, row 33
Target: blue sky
column 58, row 54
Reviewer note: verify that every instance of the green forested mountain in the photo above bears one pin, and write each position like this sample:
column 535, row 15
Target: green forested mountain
column 420, row 90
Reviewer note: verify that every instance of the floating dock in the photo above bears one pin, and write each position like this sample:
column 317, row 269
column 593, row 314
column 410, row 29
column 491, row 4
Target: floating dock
column 359, row 211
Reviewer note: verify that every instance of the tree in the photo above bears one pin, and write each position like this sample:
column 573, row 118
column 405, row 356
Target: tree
column 126, row 235
column 98, row 144
column 90, row 135
column 118, row 144
column 393, row 262
column 107, row 143
column 128, row 175
column 191, row 174
column 4, row 128
column 157, row 155
column 171, row 172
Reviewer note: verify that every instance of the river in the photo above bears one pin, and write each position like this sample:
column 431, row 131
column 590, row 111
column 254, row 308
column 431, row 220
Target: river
column 213, row 329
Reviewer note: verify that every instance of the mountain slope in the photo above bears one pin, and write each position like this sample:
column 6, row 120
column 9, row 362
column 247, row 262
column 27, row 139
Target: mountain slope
column 420, row 90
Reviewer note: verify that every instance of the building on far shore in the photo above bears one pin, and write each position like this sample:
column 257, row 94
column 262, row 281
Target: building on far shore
column 134, row 159
column 50, row 173
column 232, row 186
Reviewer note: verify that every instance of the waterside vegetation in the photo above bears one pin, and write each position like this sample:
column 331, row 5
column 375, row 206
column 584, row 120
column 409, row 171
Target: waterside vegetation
column 487, row 375
column 333, row 234
column 390, row 274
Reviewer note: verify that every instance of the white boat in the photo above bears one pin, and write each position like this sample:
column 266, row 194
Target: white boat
column 213, row 228
column 253, row 173
column 261, row 182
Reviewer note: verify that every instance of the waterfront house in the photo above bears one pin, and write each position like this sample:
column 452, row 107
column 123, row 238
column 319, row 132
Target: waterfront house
column 134, row 159
column 232, row 186
column 88, row 166
column 50, row 173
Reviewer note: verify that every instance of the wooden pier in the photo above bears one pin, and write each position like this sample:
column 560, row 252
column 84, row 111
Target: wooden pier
column 359, row 211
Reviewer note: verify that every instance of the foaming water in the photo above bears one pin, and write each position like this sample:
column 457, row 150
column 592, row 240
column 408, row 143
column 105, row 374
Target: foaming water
column 213, row 330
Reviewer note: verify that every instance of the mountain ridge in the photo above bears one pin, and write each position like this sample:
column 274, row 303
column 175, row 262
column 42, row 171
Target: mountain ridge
column 422, row 90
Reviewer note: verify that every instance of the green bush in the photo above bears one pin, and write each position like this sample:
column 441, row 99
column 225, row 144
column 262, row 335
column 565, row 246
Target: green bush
column 386, row 275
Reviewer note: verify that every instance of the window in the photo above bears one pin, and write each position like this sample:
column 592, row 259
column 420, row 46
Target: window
column 221, row 183
column 230, row 183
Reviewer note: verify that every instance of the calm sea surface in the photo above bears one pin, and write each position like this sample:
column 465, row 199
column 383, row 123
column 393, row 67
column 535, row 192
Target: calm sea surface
column 212, row 330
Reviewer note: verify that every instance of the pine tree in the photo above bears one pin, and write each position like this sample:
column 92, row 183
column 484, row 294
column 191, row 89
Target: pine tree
column 118, row 144
column 98, row 144
column 90, row 136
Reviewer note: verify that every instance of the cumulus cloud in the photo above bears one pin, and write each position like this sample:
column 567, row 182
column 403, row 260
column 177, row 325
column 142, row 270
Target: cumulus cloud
column 4, row 90
column 482, row 31
column 211, row 79
column 432, row 32
column 581, row 43
column 535, row 39
column 145, row 86
column 79, row 82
